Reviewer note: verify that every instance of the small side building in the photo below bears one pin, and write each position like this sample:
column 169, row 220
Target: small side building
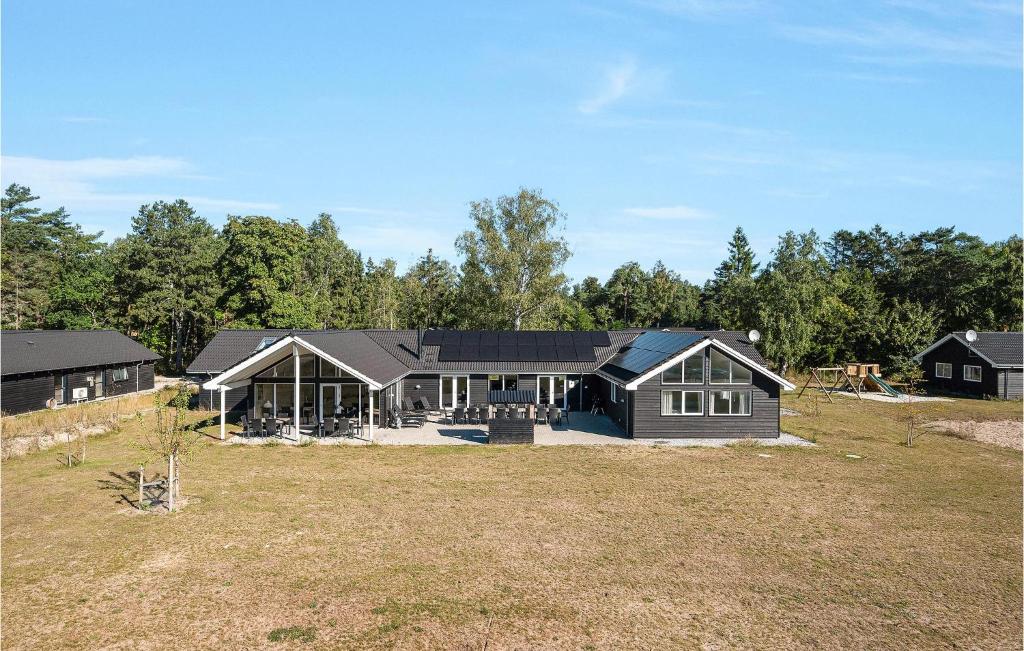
column 993, row 365
column 45, row 368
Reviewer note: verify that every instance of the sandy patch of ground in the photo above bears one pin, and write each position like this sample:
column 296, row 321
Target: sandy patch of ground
column 1006, row 433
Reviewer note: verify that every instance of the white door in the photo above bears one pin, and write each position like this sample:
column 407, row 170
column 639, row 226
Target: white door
column 454, row 391
column 551, row 390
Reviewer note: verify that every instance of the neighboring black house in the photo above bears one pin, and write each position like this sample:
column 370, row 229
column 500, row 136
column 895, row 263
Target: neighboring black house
column 646, row 381
column 993, row 365
column 42, row 368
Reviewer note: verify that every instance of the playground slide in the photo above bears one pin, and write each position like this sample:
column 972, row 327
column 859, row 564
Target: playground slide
column 884, row 386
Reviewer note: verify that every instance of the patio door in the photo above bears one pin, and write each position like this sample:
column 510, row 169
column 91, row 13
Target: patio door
column 551, row 390
column 330, row 399
column 454, row 391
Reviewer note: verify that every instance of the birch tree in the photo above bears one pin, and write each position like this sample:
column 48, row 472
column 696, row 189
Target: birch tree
column 514, row 260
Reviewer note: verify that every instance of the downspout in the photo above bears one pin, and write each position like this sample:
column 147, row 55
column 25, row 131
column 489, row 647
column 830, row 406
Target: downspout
column 138, row 367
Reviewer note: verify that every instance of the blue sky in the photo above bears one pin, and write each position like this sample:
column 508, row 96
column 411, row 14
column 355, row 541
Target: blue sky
column 658, row 126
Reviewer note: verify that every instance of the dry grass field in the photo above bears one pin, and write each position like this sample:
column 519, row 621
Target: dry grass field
column 515, row 547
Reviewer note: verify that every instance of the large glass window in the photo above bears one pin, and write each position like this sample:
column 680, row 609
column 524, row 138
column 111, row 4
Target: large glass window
column 682, row 403
column 730, row 403
column 972, row 373
column 454, row 391
column 943, row 369
column 330, row 370
column 689, row 371
column 726, row 371
column 503, row 382
column 286, row 368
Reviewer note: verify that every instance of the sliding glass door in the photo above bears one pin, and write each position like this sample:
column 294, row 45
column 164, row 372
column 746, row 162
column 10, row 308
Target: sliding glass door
column 454, row 391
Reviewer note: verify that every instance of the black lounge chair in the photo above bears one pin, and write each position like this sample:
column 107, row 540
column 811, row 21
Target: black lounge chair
column 271, row 427
column 554, row 414
column 473, row 415
column 459, row 414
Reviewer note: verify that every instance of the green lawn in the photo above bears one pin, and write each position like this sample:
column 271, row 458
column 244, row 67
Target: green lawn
column 576, row 547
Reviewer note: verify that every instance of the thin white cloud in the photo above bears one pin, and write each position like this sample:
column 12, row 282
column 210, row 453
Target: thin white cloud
column 678, row 213
column 79, row 184
column 903, row 44
column 619, row 80
column 700, row 8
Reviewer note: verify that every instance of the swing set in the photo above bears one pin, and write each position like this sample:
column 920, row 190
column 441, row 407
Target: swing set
column 838, row 378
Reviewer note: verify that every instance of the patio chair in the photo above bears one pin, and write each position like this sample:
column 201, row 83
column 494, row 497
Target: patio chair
column 501, row 412
column 554, row 414
column 271, row 427
column 473, row 415
column 459, row 415
column 425, row 404
column 246, row 429
column 328, row 426
column 542, row 415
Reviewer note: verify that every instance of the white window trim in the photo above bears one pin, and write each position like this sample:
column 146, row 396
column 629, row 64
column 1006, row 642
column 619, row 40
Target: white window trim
column 732, row 363
column 684, row 392
column 967, row 379
column 682, row 374
column 455, row 390
column 114, row 374
column 940, row 375
column 711, row 402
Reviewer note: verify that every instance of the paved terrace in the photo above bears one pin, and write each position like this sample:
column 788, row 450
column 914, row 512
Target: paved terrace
column 582, row 429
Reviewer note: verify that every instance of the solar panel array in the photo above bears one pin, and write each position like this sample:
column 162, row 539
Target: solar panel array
column 509, row 346
column 652, row 348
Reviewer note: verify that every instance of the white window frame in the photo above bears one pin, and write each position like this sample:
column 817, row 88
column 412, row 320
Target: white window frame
column 615, row 393
column 732, row 363
column 117, row 372
column 711, row 402
column 967, row 379
column 682, row 371
column 949, row 373
column 455, row 390
column 684, row 413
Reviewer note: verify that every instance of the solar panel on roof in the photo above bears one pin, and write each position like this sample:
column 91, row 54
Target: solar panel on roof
column 506, row 353
column 585, row 352
column 469, row 353
column 565, row 353
column 488, row 353
column 471, row 338
column 489, row 339
column 545, row 339
column 527, row 354
column 546, row 354
column 506, row 339
column 563, row 339
column 448, row 353
column 527, row 339
column 451, row 337
column 432, row 337
column 600, row 338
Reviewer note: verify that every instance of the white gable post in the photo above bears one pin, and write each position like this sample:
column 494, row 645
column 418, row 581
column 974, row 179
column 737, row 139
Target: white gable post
column 295, row 404
column 223, row 391
column 371, row 412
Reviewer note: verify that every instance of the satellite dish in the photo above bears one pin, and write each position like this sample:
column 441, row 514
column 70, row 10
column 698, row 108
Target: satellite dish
column 971, row 336
column 754, row 336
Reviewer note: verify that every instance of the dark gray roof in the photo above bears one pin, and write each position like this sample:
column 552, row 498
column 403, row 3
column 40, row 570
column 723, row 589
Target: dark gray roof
column 350, row 347
column 32, row 351
column 402, row 345
column 227, row 348
column 1000, row 348
column 656, row 346
column 356, row 350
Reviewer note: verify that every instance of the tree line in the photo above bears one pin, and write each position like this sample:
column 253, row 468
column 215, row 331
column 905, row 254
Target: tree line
column 174, row 280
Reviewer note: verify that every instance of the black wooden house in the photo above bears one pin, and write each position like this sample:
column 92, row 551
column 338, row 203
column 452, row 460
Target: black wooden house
column 992, row 365
column 45, row 368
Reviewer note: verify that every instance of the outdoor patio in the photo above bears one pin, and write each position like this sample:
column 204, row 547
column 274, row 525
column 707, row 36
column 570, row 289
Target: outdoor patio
column 582, row 428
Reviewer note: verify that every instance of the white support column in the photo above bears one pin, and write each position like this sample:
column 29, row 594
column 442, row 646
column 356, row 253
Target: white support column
column 370, row 391
column 296, row 410
column 223, row 392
